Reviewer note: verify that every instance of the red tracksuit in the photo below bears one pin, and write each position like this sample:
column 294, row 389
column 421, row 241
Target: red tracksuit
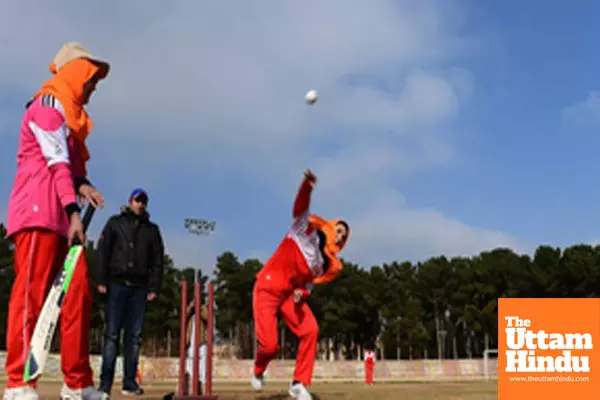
column 295, row 263
column 39, row 256
column 369, row 366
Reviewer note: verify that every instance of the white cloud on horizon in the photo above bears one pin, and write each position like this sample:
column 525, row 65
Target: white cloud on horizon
column 195, row 251
column 197, row 81
column 585, row 112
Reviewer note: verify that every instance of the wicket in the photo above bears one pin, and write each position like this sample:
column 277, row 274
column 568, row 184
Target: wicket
column 182, row 391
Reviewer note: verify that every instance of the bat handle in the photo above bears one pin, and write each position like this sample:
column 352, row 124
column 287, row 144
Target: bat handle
column 87, row 218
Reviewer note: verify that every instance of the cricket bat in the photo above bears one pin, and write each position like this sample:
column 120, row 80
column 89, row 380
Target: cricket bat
column 41, row 340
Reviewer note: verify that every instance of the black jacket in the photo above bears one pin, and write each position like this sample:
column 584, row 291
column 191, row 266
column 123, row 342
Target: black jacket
column 131, row 250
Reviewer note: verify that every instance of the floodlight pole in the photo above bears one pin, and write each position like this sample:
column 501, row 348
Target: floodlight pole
column 199, row 227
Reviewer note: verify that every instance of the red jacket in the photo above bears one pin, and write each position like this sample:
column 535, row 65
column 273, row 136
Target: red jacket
column 370, row 358
column 298, row 259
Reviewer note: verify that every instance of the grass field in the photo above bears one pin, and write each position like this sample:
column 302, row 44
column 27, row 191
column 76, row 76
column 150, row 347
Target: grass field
column 327, row 391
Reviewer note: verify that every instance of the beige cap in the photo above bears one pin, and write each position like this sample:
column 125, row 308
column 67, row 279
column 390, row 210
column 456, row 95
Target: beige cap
column 72, row 51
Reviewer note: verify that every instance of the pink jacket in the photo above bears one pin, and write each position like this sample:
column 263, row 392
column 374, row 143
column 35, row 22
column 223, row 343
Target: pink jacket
column 47, row 162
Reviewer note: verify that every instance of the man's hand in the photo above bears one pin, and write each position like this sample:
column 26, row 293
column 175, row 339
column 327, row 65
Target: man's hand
column 151, row 296
column 101, row 289
column 298, row 296
column 92, row 195
column 75, row 229
column 310, row 177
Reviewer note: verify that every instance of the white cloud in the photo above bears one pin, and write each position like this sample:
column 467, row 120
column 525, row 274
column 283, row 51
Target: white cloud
column 196, row 80
column 396, row 232
column 191, row 250
column 593, row 242
column 584, row 113
column 386, row 227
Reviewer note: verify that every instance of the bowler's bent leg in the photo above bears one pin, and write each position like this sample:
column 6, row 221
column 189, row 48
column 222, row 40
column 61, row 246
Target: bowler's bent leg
column 301, row 321
column 265, row 306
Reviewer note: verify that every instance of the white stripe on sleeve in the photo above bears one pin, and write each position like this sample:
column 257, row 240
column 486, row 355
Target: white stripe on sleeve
column 53, row 143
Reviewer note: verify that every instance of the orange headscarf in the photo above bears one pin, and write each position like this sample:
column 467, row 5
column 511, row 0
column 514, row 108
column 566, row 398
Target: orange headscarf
column 67, row 86
column 331, row 249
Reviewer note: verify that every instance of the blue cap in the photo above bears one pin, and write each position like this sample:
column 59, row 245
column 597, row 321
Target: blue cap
column 138, row 192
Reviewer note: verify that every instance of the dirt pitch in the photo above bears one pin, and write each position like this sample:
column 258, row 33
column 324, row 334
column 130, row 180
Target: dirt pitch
column 326, row 391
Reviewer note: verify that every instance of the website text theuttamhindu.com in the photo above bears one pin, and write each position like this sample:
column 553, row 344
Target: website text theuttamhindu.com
column 550, row 379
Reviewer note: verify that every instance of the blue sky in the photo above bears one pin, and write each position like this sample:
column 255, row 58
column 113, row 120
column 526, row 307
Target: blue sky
column 443, row 126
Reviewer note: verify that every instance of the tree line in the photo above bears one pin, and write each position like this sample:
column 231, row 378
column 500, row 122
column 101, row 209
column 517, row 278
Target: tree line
column 442, row 307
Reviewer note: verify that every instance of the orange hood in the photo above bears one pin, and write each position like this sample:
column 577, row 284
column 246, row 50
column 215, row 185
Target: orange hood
column 67, row 86
column 331, row 248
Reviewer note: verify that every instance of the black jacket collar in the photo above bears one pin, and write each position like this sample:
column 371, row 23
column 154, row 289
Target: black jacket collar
column 126, row 212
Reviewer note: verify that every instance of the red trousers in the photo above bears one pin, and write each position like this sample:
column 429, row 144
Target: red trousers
column 39, row 256
column 369, row 373
column 301, row 321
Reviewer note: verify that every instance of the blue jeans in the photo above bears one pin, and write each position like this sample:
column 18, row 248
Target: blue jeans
column 125, row 309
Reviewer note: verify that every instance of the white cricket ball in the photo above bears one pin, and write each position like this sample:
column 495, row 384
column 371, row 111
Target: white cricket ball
column 311, row 96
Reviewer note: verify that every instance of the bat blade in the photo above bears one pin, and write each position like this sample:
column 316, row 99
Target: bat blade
column 43, row 333
column 41, row 340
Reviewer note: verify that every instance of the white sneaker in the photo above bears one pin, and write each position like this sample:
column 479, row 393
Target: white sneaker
column 88, row 393
column 133, row 392
column 300, row 392
column 21, row 393
column 257, row 383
